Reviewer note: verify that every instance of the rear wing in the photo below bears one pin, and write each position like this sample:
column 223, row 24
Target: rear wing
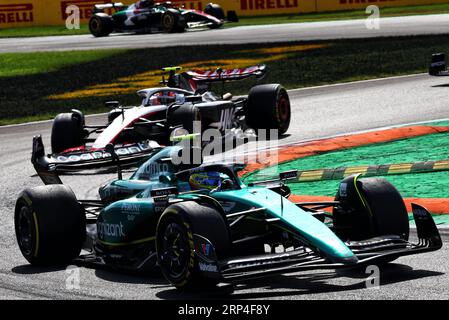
column 201, row 80
column 438, row 65
column 219, row 75
column 103, row 6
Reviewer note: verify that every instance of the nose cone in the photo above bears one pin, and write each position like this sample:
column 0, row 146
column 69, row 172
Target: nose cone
column 316, row 233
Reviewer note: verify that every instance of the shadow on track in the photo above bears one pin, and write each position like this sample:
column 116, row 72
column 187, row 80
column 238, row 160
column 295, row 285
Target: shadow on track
column 153, row 280
column 262, row 288
column 29, row 269
column 444, row 85
column 310, row 283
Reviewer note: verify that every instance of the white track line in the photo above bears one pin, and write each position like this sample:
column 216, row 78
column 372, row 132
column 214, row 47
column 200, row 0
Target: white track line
column 291, row 90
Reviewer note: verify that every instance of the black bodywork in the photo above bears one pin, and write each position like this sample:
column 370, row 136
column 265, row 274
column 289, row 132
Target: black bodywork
column 221, row 112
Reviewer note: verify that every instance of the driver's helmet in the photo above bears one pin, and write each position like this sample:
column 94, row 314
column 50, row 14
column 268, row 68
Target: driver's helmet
column 205, row 180
column 154, row 100
column 145, row 3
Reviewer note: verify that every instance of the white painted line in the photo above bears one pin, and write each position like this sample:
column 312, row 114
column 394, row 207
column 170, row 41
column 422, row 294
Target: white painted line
column 357, row 82
column 291, row 90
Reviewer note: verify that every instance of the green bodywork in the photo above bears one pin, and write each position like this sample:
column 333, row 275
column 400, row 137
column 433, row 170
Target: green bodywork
column 295, row 219
column 122, row 15
column 133, row 220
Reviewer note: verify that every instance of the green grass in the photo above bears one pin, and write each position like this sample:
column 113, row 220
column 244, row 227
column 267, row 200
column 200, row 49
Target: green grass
column 417, row 185
column 25, row 83
column 246, row 21
column 17, row 64
column 344, row 15
column 430, row 147
column 42, row 31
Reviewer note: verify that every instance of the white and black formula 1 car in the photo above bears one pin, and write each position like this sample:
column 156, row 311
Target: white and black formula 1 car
column 148, row 16
column 186, row 100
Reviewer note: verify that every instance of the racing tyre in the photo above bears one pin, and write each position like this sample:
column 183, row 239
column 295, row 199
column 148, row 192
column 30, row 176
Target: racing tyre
column 114, row 114
column 50, row 225
column 172, row 21
column 268, row 108
column 175, row 243
column 184, row 115
column 216, row 11
column 101, row 25
column 370, row 208
column 67, row 131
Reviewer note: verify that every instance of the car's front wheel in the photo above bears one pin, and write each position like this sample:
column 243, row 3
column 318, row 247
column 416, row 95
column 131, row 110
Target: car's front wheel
column 175, row 242
column 50, row 225
column 369, row 207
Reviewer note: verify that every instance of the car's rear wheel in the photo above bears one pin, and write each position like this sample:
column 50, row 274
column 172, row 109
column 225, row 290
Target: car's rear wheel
column 370, row 207
column 172, row 21
column 175, row 242
column 114, row 113
column 67, row 131
column 101, row 25
column 268, row 108
column 215, row 10
column 184, row 115
column 50, row 225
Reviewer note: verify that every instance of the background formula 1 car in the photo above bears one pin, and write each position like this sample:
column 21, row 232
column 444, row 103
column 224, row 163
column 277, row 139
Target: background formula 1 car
column 438, row 65
column 147, row 16
column 202, row 225
column 186, row 99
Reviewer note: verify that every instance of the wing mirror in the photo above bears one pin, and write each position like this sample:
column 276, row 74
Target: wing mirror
column 163, row 178
column 115, row 158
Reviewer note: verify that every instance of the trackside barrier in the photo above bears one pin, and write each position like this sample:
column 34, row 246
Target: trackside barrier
column 19, row 13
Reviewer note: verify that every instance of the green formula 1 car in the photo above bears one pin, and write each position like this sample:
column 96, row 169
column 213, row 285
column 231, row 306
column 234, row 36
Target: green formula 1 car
column 147, row 16
column 199, row 224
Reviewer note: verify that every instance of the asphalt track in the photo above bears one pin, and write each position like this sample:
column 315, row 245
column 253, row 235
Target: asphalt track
column 317, row 112
column 392, row 26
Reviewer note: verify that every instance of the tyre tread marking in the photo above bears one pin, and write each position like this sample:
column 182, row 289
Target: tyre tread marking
column 358, row 191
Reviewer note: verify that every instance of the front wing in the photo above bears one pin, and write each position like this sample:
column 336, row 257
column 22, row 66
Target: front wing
column 48, row 166
column 371, row 251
